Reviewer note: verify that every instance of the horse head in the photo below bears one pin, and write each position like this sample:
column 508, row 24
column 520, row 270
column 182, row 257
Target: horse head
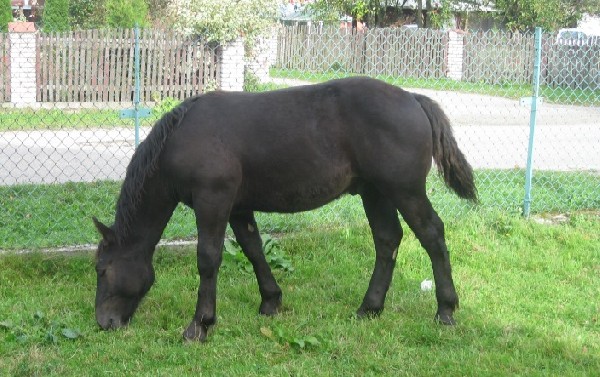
column 124, row 276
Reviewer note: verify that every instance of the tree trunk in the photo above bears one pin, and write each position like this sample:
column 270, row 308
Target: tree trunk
column 419, row 14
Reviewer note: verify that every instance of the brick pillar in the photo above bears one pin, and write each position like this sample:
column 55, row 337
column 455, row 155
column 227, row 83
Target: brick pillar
column 231, row 60
column 455, row 55
column 263, row 57
column 23, row 61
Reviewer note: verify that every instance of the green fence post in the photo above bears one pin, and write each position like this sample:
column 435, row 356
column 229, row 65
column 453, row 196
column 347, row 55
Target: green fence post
column 136, row 92
column 137, row 112
column 532, row 119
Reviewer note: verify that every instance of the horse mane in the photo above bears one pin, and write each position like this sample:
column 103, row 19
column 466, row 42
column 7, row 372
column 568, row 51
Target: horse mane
column 143, row 165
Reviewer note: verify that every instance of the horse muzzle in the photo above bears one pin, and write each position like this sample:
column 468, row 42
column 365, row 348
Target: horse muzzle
column 111, row 321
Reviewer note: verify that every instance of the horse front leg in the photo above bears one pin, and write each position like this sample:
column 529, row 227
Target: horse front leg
column 211, row 222
column 246, row 233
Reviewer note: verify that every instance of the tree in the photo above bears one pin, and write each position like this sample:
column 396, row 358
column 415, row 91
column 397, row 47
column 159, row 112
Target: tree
column 374, row 11
column 548, row 14
column 515, row 14
column 440, row 17
column 225, row 20
column 126, row 13
column 88, row 14
column 362, row 10
column 56, row 15
column 158, row 12
column 6, row 15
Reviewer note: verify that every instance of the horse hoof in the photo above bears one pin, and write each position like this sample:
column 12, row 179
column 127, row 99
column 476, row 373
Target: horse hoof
column 195, row 332
column 445, row 319
column 270, row 304
column 270, row 308
column 368, row 313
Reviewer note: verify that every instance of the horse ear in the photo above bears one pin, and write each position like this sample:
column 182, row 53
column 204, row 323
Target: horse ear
column 107, row 233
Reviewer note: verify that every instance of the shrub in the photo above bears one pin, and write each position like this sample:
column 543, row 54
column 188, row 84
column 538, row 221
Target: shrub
column 6, row 15
column 87, row 14
column 126, row 13
column 225, row 20
column 56, row 16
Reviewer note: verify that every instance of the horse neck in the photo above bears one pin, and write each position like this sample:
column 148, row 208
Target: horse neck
column 142, row 223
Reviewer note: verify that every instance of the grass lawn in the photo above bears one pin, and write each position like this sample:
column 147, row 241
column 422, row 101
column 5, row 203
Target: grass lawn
column 41, row 216
column 44, row 119
column 529, row 306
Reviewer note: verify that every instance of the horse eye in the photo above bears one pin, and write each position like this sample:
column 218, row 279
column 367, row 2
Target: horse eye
column 100, row 271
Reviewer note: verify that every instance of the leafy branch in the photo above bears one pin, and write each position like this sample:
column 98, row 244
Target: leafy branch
column 274, row 255
column 294, row 341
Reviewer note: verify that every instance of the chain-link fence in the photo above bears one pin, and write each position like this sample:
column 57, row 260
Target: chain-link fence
column 484, row 81
column 65, row 140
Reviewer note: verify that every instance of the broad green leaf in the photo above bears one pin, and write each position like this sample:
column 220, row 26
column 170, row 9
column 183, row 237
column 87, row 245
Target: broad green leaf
column 70, row 333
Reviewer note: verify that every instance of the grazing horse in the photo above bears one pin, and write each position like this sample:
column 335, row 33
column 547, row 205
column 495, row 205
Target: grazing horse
column 226, row 155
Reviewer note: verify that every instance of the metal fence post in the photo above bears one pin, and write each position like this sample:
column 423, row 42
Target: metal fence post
column 532, row 119
column 137, row 112
column 136, row 93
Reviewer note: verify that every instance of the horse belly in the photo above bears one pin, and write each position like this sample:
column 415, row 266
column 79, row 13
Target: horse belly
column 274, row 194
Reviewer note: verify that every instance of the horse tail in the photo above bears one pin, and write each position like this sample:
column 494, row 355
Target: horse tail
column 451, row 162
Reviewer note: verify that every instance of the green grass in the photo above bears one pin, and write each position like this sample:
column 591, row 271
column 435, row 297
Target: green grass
column 529, row 306
column 41, row 216
column 566, row 96
column 43, row 119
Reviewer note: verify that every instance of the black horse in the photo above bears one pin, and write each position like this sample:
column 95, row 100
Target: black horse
column 226, row 155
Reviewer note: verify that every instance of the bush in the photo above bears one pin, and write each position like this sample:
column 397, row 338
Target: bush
column 6, row 15
column 226, row 20
column 88, row 14
column 56, row 16
column 164, row 105
column 126, row 13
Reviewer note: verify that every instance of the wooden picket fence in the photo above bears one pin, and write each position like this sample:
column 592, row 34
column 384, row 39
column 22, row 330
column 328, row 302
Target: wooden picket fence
column 572, row 66
column 498, row 57
column 4, row 68
column 490, row 57
column 98, row 65
column 389, row 51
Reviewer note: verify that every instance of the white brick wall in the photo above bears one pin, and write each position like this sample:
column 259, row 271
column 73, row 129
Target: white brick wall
column 231, row 58
column 263, row 57
column 23, row 68
column 455, row 55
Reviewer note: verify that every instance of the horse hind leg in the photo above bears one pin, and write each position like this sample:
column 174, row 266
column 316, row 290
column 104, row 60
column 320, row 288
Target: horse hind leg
column 417, row 211
column 387, row 234
column 246, row 233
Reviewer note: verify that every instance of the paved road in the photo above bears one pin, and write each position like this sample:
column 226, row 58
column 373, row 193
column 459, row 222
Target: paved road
column 493, row 132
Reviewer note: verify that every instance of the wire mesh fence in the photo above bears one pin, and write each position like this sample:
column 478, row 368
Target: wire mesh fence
column 64, row 146
column 484, row 81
